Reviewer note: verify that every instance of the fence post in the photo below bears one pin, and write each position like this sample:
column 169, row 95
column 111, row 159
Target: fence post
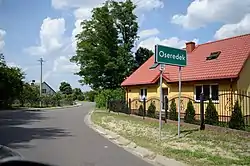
column 144, row 107
column 109, row 105
column 202, row 125
column 129, row 103
column 166, row 109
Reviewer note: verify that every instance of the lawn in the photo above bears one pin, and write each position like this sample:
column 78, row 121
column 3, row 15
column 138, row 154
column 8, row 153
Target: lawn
column 195, row 147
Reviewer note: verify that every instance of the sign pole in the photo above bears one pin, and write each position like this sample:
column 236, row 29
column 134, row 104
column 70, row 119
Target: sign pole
column 165, row 55
column 179, row 103
column 161, row 71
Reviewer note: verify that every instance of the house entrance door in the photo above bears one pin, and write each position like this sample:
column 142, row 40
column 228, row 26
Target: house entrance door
column 164, row 95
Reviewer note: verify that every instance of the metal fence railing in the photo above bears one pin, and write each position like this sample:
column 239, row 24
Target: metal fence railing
column 224, row 106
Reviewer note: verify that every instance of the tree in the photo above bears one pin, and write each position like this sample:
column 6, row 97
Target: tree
column 173, row 115
column 190, row 113
column 11, row 84
column 104, row 45
column 65, row 88
column 58, row 98
column 90, row 95
column 140, row 111
column 77, row 94
column 141, row 56
column 237, row 120
column 29, row 95
column 211, row 115
column 151, row 110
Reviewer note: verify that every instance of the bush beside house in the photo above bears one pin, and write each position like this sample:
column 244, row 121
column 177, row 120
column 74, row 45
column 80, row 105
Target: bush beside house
column 106, row 95
column 173, row 115
column 189, row 113
column 237, row 120
column 151, row 110
column 211, row 115
column 140, row 111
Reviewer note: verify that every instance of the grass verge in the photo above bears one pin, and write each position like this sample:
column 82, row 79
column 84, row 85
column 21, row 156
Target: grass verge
column 195, row 147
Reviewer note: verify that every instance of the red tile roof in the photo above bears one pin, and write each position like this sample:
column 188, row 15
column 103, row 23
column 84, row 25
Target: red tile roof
column 234, row 52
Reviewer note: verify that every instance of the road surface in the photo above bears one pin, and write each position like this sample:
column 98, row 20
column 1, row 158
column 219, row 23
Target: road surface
column 60, row 137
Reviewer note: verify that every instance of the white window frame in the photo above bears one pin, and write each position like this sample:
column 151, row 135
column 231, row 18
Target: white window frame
column 210, row 90
column 143, row 95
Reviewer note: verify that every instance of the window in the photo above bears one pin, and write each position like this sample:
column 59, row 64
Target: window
column 198, row 90
column 43, row 90
column 206, row 91
column 215, row 90
column 143, row 94
column 209, row 91
column 213, row 55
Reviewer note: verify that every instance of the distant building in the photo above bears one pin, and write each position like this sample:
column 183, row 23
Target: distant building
column 46, row 89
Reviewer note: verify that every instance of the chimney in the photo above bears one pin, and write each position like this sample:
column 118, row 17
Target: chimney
column 190, row 46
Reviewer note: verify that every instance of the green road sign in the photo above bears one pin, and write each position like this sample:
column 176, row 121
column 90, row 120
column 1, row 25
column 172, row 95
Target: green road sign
column 170, row 56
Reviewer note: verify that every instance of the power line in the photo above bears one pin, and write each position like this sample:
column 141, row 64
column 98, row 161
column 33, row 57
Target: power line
column 41, row 78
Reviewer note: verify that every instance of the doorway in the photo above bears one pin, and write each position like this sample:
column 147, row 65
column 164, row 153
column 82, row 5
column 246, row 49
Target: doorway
column 164, row 96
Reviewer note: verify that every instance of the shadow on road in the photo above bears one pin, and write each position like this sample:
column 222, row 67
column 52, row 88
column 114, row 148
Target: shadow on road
column 16, row 129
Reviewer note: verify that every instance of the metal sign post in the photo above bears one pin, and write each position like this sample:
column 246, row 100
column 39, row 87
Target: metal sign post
column 169, row 56
column 161, row 101
column 179, row 103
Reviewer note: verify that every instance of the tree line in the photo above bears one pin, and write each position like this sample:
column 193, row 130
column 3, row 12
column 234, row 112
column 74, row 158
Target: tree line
column 16, row 92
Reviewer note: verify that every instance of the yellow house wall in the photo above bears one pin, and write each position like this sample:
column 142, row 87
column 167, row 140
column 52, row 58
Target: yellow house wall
column 153, row 91
column 188, row 91
column 243, row 82
column 134, row 95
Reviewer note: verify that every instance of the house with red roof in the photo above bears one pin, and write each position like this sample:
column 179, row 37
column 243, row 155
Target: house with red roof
column 214, row 68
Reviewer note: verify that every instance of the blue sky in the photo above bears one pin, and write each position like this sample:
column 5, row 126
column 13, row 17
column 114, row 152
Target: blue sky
column 30, row 29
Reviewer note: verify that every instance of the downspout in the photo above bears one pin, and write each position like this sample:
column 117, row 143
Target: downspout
column 231, row 89
column 127, row 94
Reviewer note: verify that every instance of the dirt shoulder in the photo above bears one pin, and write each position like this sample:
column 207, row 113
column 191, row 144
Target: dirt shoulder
column 195, row 147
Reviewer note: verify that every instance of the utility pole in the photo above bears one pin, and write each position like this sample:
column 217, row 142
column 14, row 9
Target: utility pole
column 41, row 79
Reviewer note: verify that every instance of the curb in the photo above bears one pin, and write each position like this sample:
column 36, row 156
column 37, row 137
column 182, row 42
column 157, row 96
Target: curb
column 38, row 109
column 52, row 108
column 130, row 146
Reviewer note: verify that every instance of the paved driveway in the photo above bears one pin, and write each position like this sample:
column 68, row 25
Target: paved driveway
column 61, row 137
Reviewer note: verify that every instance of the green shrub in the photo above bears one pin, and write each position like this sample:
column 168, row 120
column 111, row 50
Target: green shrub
column 211, row 115
column 173, row 115
column 140, row 111
column 237, row 120
column 67, row 100
column 151, row 110
column 106, row 95
column 190, row 113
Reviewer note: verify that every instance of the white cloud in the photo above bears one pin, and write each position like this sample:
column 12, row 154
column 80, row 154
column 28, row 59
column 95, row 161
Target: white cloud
column 83, row 13
column 148, row 32
column 141, row 4
column 201, row 12
column 229, row 30
column 148, row 5
column 13, row 64
column 51, row 37
column 172, row 42
column 63, row 64
column 2, row 43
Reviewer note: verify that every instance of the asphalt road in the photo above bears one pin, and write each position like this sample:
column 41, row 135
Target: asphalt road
column 60, row 137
